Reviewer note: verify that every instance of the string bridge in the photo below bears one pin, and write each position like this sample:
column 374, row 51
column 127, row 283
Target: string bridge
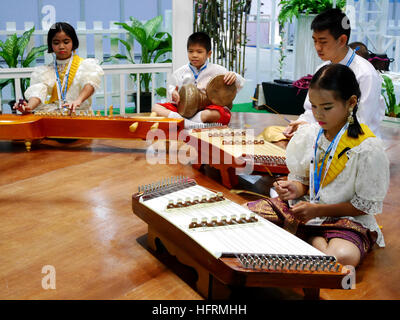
column 223, row 221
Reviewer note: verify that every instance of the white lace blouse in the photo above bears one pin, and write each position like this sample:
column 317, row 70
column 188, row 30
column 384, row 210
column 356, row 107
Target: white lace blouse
column 364, row 181
column 43, row 79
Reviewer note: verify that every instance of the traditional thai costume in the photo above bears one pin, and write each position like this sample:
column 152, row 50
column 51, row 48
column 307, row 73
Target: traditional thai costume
column 354, row 170
column 200, row 77
column 63, row 81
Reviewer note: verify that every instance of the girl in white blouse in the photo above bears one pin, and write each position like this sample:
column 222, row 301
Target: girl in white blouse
column 339, row 172
column 68, row 82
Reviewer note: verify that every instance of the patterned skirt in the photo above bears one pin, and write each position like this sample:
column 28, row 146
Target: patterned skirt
column 278, row 212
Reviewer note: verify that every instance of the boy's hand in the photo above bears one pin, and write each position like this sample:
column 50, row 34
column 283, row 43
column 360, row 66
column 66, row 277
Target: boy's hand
column 230, row 78
column 175, row 95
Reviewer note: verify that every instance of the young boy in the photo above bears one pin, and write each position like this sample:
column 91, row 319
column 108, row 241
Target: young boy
column 331, row 33
column 199, row 72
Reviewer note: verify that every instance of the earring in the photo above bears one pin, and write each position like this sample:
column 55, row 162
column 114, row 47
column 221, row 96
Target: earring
column 350, row 118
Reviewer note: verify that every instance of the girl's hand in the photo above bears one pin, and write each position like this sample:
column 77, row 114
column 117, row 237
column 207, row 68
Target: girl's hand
column 292, row 128
column 72, row 105
column 287, row 190
column 305, row 211
column 230, row 78
column 22, row 106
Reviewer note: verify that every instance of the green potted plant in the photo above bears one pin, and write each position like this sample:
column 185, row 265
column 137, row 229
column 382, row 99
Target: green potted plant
column 13, row 51
column 392, row 108
column 306, row 59
column 154, row 45
column 293, row 8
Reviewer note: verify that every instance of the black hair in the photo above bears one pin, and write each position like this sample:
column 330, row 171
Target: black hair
column 69, row 31
column 362, row 51
column 334, row 20
column 200, row 38
column 342, row 80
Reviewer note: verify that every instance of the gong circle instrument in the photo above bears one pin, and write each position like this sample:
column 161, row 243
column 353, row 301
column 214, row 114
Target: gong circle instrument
column 193, row 100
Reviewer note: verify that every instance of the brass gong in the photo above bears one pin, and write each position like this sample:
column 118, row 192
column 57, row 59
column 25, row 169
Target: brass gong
column 219, row 93
column 192, row 100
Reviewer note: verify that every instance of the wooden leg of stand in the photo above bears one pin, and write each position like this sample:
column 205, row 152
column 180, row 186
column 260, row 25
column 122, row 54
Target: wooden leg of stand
column 217, row 290
column 208, row 287
column 196, row 166
column 311, row 293
column 151, row 239
column 228, row 176
column 203, row 282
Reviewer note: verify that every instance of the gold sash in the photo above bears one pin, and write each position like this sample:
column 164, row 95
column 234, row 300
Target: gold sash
column 338, row 164
column 76, row 61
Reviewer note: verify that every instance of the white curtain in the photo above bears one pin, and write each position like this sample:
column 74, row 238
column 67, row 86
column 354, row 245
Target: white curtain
column 306, row 58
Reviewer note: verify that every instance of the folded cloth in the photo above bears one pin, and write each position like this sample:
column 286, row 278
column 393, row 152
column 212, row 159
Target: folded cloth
column 273, row 134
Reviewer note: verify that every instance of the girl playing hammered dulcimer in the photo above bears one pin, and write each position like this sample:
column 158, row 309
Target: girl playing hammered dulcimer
column 66, row 84
column 339, row 173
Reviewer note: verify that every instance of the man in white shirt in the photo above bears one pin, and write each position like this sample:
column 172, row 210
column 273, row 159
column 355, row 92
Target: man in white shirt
column 331, row 33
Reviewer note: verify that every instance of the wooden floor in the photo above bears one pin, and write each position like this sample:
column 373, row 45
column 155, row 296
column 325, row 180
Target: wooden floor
column 69, row 206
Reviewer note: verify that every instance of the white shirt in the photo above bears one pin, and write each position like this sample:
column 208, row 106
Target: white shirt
column 364, row 181
column 371, row 108
column 184, row 75
column 43, row 80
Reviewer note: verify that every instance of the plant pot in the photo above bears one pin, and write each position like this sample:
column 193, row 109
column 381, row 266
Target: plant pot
column 145, row 102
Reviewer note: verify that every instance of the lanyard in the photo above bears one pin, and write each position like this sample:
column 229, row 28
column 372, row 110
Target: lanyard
column 316, row 177
column 351, row 58
column 62, row 89
column 196, row 74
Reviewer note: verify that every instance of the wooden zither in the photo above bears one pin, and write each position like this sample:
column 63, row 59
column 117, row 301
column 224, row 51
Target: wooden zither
column 235, row 151
column 88, row 126
column 228, row 245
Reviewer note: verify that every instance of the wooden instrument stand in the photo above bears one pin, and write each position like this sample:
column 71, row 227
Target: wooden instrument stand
column 35, row 127
column 216, row 277
column 217, row 157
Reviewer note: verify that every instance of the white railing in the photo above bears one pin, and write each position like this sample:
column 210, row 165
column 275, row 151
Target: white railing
column 102, row 36
column 120, row 70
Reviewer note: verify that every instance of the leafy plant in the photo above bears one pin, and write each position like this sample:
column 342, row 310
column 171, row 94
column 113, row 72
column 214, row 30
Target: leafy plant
column 153, row 44
column 292, row 8
column 392, row 108
column 13, row 50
